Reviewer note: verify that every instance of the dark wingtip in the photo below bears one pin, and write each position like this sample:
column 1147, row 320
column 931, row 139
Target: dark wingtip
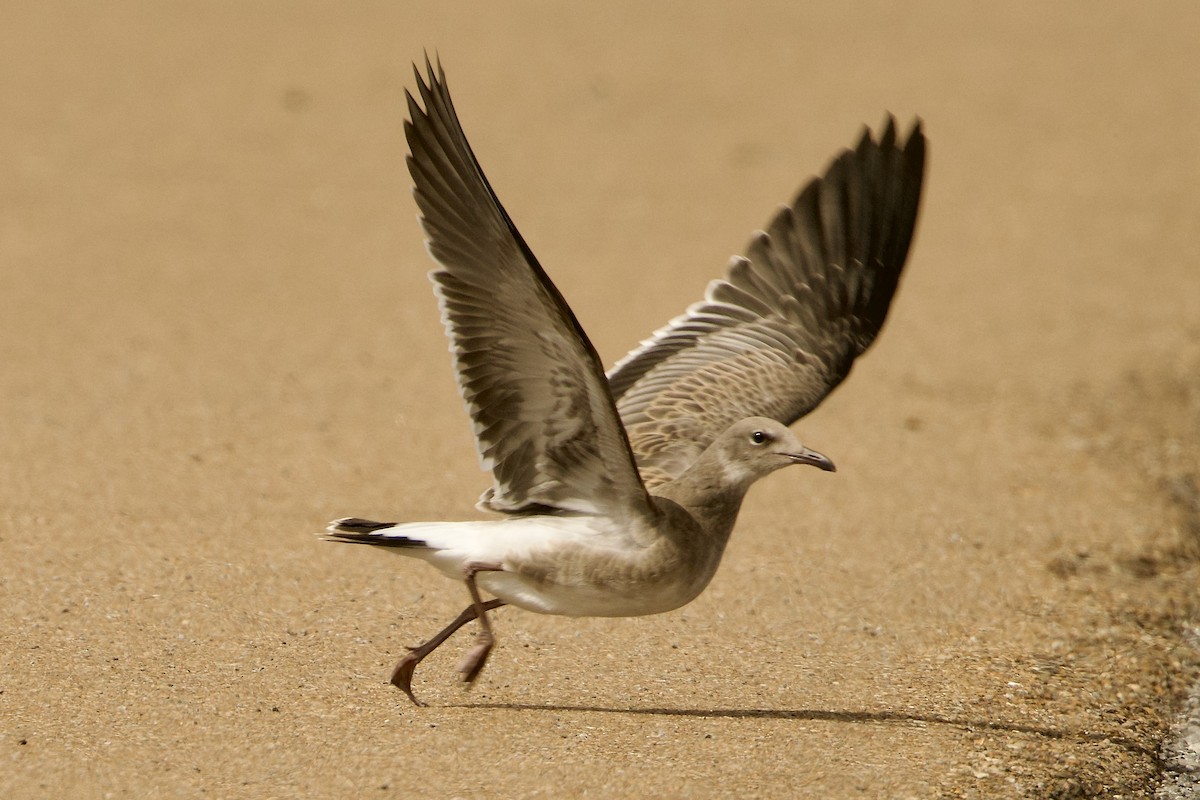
column 914, row 145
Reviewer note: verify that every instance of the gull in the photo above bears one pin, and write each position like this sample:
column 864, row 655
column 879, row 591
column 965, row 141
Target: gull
column 617, row 492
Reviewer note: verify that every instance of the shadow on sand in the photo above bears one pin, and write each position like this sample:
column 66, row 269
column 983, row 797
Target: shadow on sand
column 850, row 717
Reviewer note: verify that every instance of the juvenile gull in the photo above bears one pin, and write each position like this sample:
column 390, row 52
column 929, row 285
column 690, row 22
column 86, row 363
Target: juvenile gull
column 618, row 492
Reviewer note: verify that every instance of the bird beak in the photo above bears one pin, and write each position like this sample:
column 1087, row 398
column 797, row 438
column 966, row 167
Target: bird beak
column 806, row 456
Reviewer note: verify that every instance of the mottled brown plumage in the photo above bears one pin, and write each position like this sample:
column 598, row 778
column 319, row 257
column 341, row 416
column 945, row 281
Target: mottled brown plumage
column 783, row 328
column 618, row 493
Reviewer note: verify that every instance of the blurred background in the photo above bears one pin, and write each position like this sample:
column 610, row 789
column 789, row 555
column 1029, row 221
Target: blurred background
column 217, row 334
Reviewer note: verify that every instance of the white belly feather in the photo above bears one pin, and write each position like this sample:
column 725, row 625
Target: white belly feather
column 568, row 565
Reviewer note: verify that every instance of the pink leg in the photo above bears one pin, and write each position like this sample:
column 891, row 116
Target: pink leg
column 476, row 657
column 472, row 663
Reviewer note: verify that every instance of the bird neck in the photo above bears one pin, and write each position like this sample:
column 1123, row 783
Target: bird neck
column 711, row 493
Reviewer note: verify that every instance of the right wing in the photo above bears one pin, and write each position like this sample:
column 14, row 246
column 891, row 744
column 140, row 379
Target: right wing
column 782, row 330
column 544, row 420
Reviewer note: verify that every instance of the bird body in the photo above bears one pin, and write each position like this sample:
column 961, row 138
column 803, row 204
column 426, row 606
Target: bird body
column 618, row 491
column 595, row 565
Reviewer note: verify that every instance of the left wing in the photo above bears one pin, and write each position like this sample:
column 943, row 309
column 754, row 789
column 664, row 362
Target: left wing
column 782, row 330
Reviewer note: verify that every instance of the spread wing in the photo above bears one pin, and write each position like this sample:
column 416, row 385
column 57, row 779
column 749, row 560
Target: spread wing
column 783, row 328
column 544, row 421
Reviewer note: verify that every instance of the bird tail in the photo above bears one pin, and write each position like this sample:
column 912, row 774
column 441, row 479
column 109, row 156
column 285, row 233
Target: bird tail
column 365, row 531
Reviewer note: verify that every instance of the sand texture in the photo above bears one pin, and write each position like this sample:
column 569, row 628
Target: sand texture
column 217, row 334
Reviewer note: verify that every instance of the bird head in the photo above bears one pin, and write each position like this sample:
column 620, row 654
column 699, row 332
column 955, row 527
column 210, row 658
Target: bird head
column 757, row 446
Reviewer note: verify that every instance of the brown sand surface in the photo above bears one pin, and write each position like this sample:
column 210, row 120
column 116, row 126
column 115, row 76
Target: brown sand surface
column 217, row 335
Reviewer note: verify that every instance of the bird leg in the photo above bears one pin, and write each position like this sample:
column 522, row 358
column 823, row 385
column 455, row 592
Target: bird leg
column 402, row 675
column 475, row 658
column 472, row 663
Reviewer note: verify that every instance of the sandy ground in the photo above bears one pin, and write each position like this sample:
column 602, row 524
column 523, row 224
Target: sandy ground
column 217, row 335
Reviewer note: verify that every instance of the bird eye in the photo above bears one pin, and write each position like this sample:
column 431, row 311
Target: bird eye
column 759, row 437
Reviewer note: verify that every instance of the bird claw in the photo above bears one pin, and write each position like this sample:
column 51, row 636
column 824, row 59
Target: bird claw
column 402, row 676
column 472, row 663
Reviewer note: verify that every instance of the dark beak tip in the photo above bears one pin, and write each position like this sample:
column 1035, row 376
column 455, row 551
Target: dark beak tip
column 824, row 464
column 815, row 459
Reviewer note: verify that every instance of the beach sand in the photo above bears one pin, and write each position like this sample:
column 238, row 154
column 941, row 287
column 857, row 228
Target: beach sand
column 218, row 335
